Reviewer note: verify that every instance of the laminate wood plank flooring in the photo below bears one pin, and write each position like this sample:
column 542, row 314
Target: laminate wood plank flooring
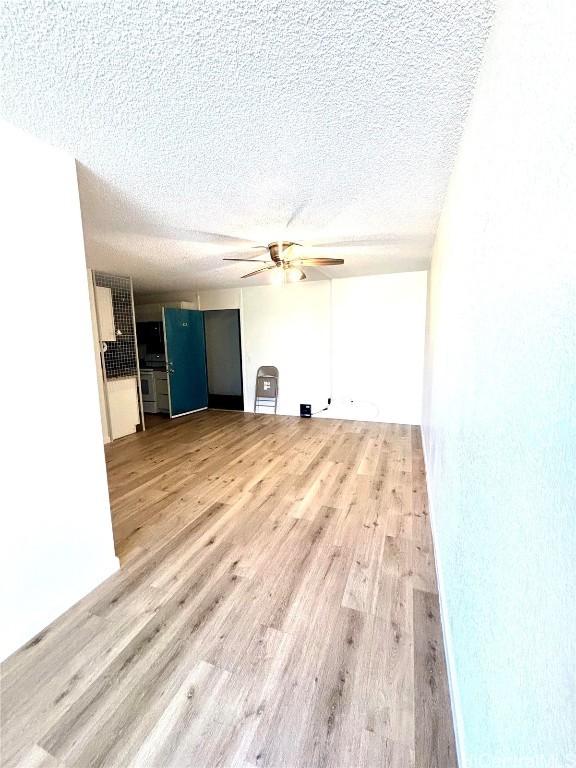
column 276, row 606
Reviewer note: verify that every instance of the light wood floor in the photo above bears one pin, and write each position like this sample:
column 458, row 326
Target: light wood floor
column 277, row 606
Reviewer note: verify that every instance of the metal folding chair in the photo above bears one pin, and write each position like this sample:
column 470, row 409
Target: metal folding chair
column 266, row 393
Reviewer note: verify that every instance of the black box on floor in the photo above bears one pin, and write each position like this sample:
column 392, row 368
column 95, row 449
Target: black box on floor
column 305, row 410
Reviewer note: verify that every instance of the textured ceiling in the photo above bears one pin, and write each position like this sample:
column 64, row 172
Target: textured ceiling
column 202, row 128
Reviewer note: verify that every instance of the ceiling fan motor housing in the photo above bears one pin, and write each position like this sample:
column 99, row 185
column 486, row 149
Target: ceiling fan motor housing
column 278, row 249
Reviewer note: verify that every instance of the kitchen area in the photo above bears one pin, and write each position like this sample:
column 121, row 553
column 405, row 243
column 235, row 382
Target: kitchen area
column 114, row 327
column 153, row 372
column 160, row 360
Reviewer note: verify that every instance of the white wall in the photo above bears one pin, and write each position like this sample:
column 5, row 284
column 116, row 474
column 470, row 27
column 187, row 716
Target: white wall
column 500, row 412
column 55, row 529
column 378, row 328
column 289, row 327
column 220, row 298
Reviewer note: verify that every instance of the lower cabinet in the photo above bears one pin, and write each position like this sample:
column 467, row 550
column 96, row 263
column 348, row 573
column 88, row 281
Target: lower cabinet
column 123, row 406
column 161, row 381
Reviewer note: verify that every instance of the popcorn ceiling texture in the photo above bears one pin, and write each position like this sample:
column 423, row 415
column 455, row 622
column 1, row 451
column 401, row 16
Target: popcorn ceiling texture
column 204, row 128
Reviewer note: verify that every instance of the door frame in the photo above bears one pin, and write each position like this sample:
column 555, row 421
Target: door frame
column 166, row 356
column 241, row 351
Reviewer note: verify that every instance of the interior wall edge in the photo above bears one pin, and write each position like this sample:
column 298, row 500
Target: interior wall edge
column 56, row 533
column 98, row 361
column 455, row 700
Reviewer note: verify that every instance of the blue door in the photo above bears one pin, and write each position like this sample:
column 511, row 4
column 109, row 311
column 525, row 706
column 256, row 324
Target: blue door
column 185, row 360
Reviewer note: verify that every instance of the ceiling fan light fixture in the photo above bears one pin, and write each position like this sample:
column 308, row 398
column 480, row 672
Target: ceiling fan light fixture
column 294, row 274
column 286, row 270
column 277, row 276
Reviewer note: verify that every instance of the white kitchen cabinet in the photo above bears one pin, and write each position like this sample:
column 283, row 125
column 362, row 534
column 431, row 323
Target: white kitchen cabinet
column 105, row 313
column 123, row 406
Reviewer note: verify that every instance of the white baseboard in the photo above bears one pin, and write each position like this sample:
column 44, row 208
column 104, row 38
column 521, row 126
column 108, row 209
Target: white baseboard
column 446, row 633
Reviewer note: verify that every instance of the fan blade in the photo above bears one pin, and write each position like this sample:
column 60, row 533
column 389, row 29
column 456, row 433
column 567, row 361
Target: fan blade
column 316, row 262
column 257, row 271
column 252, row 261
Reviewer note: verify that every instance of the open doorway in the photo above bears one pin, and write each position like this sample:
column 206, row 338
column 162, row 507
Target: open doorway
column 224, row 359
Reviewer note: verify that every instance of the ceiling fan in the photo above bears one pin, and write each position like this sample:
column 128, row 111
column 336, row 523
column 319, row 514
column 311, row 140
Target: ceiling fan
column 287, row 269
